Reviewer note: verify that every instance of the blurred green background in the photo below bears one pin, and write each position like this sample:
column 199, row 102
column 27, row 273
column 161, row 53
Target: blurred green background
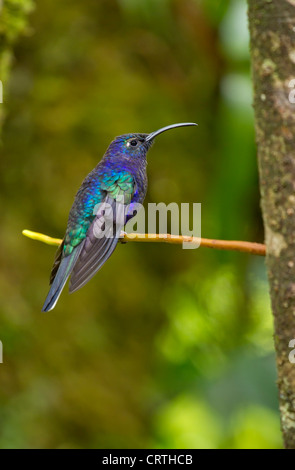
column 164, row 348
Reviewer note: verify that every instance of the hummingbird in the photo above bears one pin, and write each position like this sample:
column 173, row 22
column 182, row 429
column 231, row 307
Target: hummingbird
column 101, row 208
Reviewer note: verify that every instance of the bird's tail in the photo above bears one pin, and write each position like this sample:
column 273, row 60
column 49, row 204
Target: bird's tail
column 65, row 268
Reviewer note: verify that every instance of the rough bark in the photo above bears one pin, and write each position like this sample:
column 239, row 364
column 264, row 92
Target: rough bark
column 272, row 32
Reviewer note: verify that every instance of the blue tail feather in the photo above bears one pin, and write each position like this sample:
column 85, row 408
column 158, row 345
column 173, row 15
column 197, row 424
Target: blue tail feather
column 66, row 267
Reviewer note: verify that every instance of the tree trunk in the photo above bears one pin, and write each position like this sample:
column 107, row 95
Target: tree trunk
column 272, row 32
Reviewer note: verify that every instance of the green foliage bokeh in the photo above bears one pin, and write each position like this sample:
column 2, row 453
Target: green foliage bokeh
column 165, row 347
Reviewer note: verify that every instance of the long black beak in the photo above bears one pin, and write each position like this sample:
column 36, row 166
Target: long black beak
column 152, row 135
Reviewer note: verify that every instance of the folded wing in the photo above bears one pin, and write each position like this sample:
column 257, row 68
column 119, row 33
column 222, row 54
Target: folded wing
column 104, row 232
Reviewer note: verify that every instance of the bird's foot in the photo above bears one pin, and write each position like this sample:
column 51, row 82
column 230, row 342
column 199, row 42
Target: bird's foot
column 121, row 237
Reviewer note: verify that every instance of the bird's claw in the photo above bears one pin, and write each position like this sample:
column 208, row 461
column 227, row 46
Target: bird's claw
column 121, row 237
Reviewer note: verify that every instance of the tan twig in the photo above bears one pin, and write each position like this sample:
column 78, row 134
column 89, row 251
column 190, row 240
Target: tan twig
column 245, row 247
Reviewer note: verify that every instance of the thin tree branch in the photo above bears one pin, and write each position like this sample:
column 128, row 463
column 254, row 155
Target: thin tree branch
column 232, row 245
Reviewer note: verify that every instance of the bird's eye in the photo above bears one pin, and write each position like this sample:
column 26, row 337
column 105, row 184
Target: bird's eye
column 132, row 143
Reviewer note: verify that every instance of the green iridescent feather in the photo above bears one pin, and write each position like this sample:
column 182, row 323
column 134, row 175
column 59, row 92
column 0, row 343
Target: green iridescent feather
column 92, row 193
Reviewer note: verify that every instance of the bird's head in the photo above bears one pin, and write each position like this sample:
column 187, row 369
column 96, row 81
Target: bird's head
column 134, row 147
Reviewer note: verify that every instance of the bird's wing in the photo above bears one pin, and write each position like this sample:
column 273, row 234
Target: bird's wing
column 104, row 232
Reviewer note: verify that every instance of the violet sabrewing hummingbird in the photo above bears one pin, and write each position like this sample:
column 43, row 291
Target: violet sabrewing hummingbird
column 116, row 183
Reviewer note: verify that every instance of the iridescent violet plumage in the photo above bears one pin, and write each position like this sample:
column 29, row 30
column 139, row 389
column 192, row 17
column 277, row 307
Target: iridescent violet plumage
column 119, row 176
